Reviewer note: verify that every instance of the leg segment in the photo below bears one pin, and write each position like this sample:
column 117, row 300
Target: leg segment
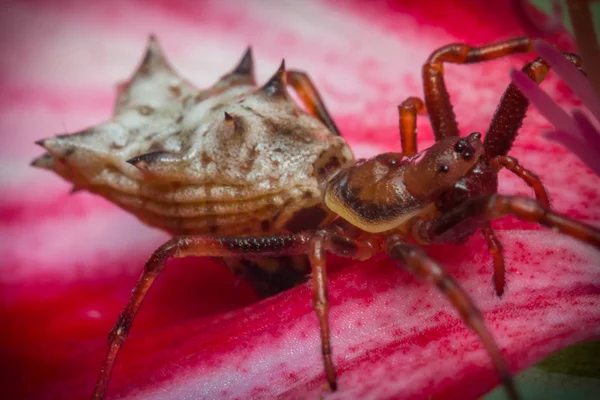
column 531, row 179
column 512, row 108
column 408, row 111
column 187, row 246
column 420, row 264
column 321, row 302
column 473, row 212
column 309, row 94
column 437, row 99
column 495, row 248
column 338, row 244
column 120, row 330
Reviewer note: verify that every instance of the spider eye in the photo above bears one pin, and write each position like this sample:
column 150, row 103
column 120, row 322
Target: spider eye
column 393, row 162
column 460, row 146
column 444, row 168
column 467, row 155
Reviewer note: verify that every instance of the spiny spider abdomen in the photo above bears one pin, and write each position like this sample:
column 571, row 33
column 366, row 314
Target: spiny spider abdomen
column 231, row 159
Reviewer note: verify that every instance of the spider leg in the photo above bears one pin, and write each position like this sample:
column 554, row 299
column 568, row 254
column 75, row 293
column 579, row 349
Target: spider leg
column 321, row 303
column 417, row 262
column 309, row 94
column 495, row 249
column 493, row 243
column 531, row 179
column 448, row 226
column 312, row 243
column 337, row 243
column 183, row 246
column 510, row 113
column 408, row 111
column 437, row 99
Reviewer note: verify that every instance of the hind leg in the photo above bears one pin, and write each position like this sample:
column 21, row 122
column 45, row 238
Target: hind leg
column 183, row 246
column 310, row 96
column 313, row 243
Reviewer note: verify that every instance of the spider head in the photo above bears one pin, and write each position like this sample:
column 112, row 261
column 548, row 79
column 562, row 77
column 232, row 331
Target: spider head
column 438, row 168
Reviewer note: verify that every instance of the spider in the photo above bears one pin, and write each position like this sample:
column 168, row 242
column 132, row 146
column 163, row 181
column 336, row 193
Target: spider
column 241, row 172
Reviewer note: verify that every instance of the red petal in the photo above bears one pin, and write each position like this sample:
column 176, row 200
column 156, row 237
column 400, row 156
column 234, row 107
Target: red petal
column 69, row 263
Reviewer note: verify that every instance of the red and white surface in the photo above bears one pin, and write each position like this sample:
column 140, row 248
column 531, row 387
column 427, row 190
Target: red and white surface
column 68, row 263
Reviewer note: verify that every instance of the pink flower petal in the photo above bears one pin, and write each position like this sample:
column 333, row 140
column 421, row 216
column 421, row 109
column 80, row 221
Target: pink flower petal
column 543, row 102
column 69, row 262
column 580, row 85
column 578, row 146
column 589, row 132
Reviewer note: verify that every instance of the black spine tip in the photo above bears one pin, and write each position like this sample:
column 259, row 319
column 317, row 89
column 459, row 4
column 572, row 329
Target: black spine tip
column 231, row 121
column 246, row 64
column 276, row 86
column 135, row 160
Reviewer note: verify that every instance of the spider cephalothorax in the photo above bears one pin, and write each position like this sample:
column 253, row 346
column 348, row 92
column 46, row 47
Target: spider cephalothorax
column 236, row 161
column 382, row 193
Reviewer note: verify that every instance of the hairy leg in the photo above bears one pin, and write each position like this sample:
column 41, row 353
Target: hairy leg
column 510, row 113
column 437, row 99
column 419, row 263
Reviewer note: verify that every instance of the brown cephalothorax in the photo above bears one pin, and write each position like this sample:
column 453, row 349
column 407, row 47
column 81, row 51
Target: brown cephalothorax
column 246, row 173
column 384, row 192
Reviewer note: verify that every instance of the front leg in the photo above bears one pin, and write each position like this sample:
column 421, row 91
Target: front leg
column 447, row 227
column 494, row 245
column 437, row 98
column 511, row 111
column 478, row 212
column 419, row 263
column 531, row 179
